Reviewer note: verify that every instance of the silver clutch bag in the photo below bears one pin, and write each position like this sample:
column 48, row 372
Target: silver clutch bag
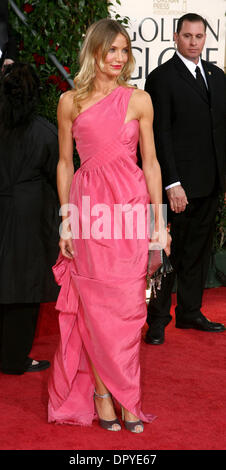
column 158, row 266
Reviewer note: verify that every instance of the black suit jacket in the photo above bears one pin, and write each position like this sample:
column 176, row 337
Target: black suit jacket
column 189, row 128
column 29, row 222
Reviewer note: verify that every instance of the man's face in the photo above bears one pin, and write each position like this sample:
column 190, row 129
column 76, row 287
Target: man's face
column 190, row 40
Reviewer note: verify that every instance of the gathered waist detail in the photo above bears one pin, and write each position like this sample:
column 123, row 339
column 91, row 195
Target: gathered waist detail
column 93, row 163
column 108, row 153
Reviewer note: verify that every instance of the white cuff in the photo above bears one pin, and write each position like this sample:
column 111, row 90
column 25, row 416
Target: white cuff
column 172, row 185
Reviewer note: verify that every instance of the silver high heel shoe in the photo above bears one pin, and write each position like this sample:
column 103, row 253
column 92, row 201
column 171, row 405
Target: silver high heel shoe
column 104, row 423
column 131, row 425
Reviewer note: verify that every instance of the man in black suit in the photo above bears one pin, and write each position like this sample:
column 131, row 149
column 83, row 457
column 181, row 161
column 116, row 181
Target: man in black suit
column 188, row 96
column 7, row 41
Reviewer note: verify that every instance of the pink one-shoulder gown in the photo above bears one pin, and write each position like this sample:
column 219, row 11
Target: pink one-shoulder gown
column 102, row 298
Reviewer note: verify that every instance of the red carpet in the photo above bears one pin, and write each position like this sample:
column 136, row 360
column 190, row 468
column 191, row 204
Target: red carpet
column 183, row 381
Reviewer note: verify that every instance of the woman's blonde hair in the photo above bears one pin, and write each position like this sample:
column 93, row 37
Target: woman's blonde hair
column 99, row 35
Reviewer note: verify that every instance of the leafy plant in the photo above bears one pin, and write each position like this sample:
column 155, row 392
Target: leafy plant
column 57, row 27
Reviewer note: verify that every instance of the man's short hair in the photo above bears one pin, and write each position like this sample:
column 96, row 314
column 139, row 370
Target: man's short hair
column 192, row 17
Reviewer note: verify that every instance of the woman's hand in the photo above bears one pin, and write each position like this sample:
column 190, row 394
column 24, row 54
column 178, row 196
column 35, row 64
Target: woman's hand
column 66, row 247
column 161, row 242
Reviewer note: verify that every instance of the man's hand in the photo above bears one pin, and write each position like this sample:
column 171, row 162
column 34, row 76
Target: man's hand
column 177, row 198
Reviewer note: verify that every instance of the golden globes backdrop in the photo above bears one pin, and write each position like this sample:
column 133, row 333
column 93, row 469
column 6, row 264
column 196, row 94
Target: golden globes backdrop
column 153, row 22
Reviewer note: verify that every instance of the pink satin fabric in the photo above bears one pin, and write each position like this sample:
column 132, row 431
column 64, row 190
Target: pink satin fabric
column 102, row 298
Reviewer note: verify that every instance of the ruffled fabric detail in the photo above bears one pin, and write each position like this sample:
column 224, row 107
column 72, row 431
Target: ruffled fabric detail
column 68, row 297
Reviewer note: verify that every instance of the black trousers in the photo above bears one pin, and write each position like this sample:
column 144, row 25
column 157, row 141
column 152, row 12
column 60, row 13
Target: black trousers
column 192, row 237
column 17, row 331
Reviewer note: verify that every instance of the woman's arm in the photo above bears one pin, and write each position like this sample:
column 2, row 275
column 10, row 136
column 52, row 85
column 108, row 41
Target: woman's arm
column 150, row 164
column 65, row 167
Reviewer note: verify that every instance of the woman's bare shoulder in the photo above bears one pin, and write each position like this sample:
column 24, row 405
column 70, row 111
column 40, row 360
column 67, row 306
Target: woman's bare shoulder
column 67, row 98
column 141, row 96
column 66, row 103
column 141, row 102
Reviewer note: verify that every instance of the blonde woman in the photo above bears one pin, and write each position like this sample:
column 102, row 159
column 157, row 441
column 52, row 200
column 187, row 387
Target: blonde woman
column 101, row 270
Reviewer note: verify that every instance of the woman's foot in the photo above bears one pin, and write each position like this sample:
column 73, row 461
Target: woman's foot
column 106, row 412
column 132, row 423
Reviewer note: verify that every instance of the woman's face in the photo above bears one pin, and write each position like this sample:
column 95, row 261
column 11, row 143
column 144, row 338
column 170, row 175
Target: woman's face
column 115, row 59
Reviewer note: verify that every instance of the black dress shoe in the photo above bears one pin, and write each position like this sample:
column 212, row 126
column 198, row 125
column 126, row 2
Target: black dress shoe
column 41, row 365
column 155, row 337
column 201, row 323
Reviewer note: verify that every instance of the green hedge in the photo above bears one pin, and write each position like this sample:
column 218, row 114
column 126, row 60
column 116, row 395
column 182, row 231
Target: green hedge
column 60, row 26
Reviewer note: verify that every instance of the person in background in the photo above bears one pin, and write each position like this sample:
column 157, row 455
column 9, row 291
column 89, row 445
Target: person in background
column 188, row 96
column 29, row 216
column 7, row 40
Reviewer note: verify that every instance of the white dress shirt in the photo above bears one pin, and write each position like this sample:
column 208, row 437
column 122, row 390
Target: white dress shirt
column 191, row 67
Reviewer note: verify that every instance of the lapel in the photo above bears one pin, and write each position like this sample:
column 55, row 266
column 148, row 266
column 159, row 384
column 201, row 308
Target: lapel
column 187, row 75
column 209, row 78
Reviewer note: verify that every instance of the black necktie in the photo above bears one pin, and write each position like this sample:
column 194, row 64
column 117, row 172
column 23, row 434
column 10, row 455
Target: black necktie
column 200, row 80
